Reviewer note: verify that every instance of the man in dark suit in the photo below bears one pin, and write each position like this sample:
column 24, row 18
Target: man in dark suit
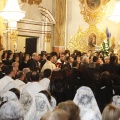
column 33, row 63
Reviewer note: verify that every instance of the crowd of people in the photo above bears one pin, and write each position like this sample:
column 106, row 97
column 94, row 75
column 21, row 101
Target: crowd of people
column 51, row 86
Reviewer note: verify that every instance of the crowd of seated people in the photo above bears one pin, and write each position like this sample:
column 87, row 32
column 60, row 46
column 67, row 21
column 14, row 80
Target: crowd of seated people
column 48, row 86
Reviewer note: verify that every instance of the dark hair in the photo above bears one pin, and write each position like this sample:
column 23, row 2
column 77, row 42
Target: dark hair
column 35, row 76
column 7, row 69
column 74, row 64
column 47, row 73
column 105, row 79
column 16, row 91
column 53, row 54
column 68, row 58
column 67, row 52
column 95, row 58
column 73, row 56
column 112, row 59
column 19, row 74
column 3, row 55
column 47, row 94
column 49, row 57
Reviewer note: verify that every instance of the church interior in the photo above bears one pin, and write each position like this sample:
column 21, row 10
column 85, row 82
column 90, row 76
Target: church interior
column 59, row 59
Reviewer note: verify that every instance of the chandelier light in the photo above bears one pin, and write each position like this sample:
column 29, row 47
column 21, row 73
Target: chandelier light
column 116, row 12
column 12, row 11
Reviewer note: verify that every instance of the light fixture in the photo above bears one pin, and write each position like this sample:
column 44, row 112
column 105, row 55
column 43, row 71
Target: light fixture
column 12, row 11
column 116, row 12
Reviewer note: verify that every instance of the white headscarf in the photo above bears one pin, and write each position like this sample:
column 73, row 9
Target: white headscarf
column 85, row 99
column 42, row 106
column 53, row 102
column 116, row 101
column 11, row 110
column 27, row 102
column 9, row 96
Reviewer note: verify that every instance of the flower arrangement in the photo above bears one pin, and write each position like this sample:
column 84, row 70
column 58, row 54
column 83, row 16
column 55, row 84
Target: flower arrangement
column 105, row 46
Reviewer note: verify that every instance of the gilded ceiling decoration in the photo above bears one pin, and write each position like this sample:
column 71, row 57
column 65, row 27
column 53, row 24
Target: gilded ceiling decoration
column 32, row 1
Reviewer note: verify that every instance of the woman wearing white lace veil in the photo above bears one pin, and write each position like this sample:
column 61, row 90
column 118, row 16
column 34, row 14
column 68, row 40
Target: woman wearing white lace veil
column 116, row 101
column 85, row 99
column 11, row 111
column 11, row 95
column 42, row 106
column 10, row 107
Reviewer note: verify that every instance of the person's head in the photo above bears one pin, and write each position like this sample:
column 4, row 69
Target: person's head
column 113, row 59
column 85, row 60
column 10, row 55
column 35, row 76
column 20, row 75
column 35, row 56
column 9, row 70
column 95, row 59
column 15, row 65
column 62, row 56
column 49, row 58
column 72, row 109
column 67, row 53
column 47, row 94
column 78, row 59
column 16, row 92
column 111, row 113
column 107, row 59
column 44, row 56
column 95, row 53
column 17, row 59
column 72, row 58
column 57, row 114
column 105, row 79
column 47, row 73
column 5, row 54
column 27, row 57
column 54, row 59
column 75, row 64
column 11, row 111
column 26, row 70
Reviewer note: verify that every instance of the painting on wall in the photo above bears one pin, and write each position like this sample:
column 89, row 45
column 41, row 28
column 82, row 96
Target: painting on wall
column 93, row 10
column 93, row 4
column 92, row 40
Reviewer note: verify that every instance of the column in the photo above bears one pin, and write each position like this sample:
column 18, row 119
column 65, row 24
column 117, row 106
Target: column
column 60, row 27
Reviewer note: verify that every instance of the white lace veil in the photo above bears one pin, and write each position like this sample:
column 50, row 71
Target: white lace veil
column 85, row 99
column 53, row 102
column 11, row 110
column 42, row 106
column 9, row 96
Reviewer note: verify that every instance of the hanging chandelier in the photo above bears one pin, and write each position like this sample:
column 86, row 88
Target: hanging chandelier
column 116, row 12
column 12, row 11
